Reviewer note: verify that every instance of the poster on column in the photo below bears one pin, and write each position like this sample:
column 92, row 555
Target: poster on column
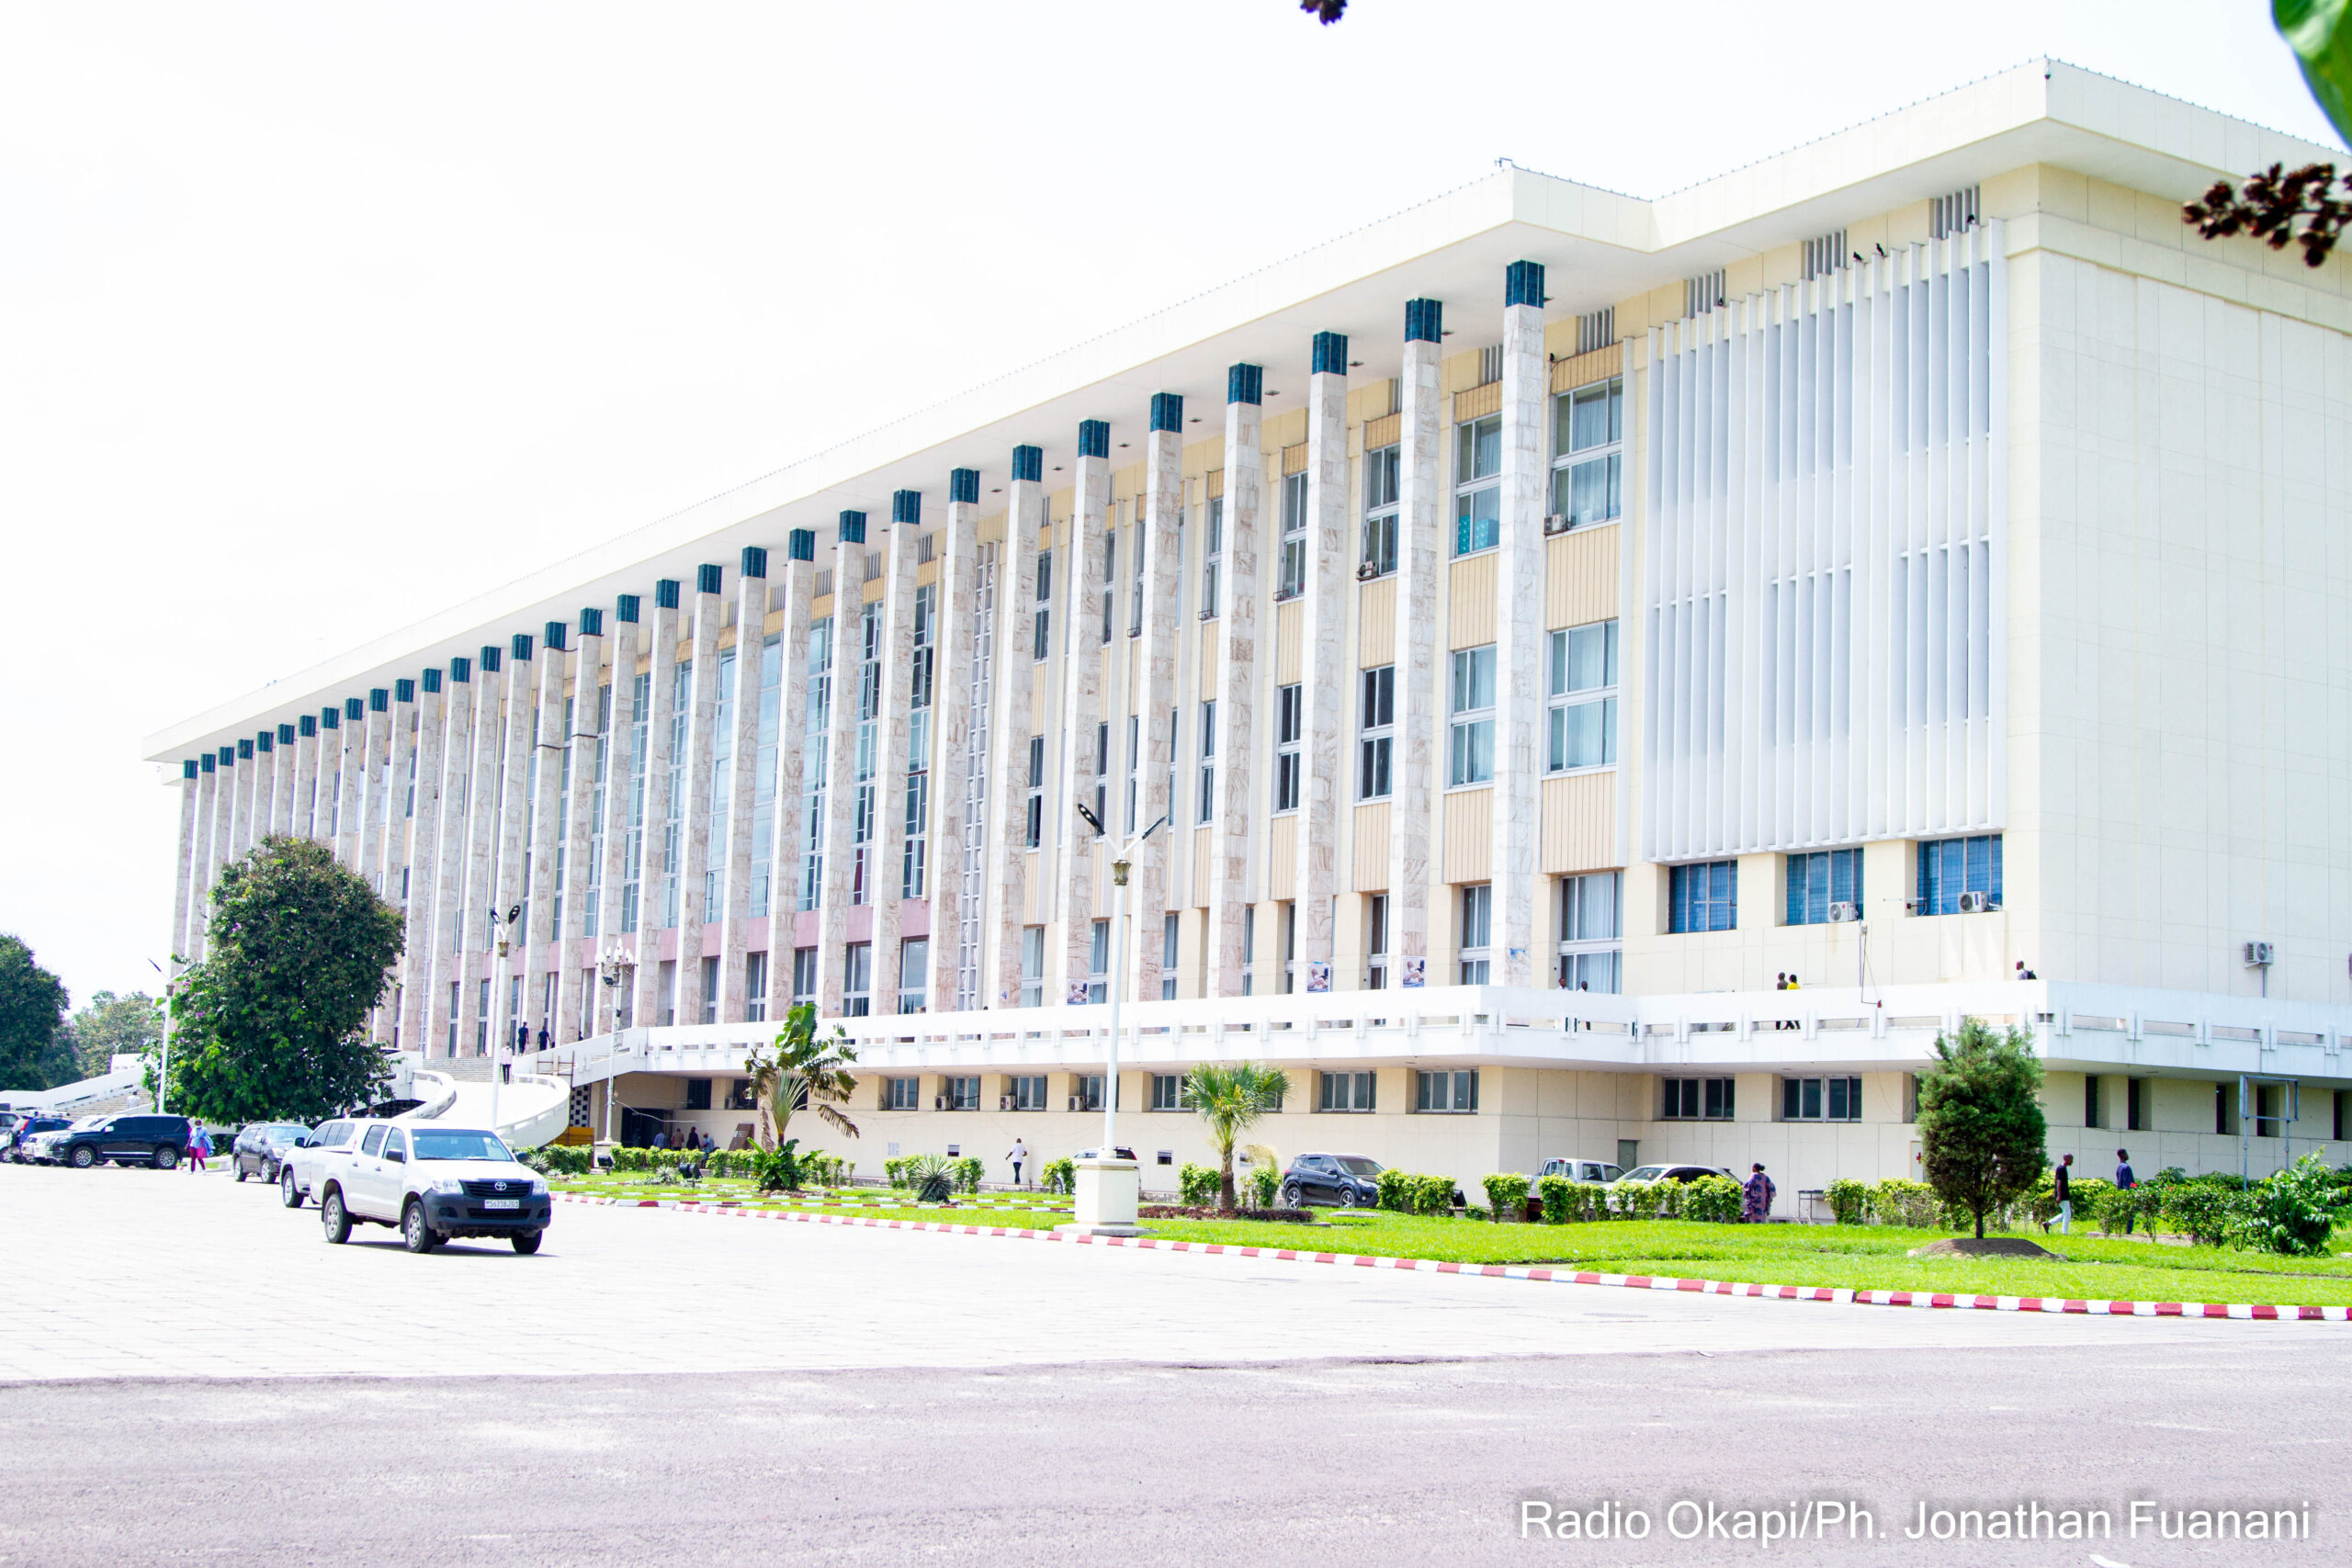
column 1318, row 976
column 1416, row 973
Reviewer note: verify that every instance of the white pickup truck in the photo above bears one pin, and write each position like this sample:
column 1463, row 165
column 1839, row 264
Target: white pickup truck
column 433, row 1184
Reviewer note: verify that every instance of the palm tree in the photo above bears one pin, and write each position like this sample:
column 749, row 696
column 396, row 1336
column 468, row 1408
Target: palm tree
column 1230, row 1100
column 799, row 1071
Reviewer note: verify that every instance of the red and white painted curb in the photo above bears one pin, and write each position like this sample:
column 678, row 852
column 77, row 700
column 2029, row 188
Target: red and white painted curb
column 2260, row 1313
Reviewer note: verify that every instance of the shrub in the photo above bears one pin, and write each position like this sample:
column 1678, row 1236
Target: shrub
column 1670, row 1198
column 1717, row 1200
column 2119, row 1206
column 1900, row 1202
column 1397, row 1191
column 1477, row 1212
column 1197, row 1184
column 1058, row 1175
column 894, row 1171
column 2294, row 1211
column 1848, row 1201
column 1506, row 1195
column 967, row 1172
column 1981, row 1124
column 1558, row 1194
column 1265, row 1185
column 1433, row 1194
column 2208, row 1212
column 1634, row 1199
column 778, row 1169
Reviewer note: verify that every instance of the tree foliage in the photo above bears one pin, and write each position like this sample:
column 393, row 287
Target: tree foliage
column 110, row 1025
column 272, row 1024
column 34, row 1051
column 1981, row 1132
column 798, row 1071
column 1324, row 11
column 1231, row 1099
column 2311, row 206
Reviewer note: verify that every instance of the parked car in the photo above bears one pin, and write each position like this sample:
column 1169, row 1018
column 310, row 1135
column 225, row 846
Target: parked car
column 298, row 1168
column 261, row 1149
column 1348, row 1181
column 434, row 1184
column 1672, row 1172
column 159, row 1140
column 29, row 1125
column 1579, row 1169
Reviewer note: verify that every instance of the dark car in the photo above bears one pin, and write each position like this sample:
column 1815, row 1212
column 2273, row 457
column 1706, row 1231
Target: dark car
column 1350, row 1182
column 28, row 1124
column 159, row 1140
column 262, row 1148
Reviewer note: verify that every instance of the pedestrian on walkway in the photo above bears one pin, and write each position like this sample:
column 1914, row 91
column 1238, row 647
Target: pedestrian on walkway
column 1760, row 1190
column 2061, row 1182
column 1018, row 1155
column 199, row 1146
column 2124, row 1183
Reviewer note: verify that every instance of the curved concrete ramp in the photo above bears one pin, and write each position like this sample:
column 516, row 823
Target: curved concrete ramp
column 532, row 1110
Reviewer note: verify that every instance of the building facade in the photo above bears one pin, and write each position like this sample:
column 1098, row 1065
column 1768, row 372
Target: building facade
column 1504, row 644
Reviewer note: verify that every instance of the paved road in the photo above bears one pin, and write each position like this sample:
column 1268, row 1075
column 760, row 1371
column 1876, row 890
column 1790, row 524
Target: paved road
column 725, row 1391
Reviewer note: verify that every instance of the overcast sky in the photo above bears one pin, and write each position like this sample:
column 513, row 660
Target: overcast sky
column 314, row 320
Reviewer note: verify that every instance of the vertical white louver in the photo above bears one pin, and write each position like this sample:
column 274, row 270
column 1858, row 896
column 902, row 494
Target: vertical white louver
column 1826, row 478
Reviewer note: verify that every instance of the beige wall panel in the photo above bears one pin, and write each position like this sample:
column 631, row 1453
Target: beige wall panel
column 1470, row 616
column 1372, row 846
column 1579, row 576
column 1375, row 400
column 1288, row 659
column 1030, row 876
column 1382, row 431
column 1580, row 822
column 1478, row 402
column 1469, row 817
column 1207, row 683
column 1295, row 459
column 1282, row 852
column 874, row 588
column 1376, row 624
column 1203, row 840
column 1037, row 693
column 1216, row 483
column 1281, row 430
column 1584, row 370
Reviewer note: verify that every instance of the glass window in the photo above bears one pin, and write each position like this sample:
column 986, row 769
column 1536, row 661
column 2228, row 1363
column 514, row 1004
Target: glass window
column 1291, row 570
column 1377, row 943
column 1041, row 625
column 902, row 1094
column 1171, row 1092
column 1344, row 1091
column 1591, row 935
column 1290, row 725
column 1029, row 1092
column 1581, row 691
column 1098, row 962
column 1170, row 925
column 1208, row 762
column 1478, row 932
column 1819, row 1099
column 1478, row 497
column 962, row 1093
column 1211, row 557
column 1587, row 434
column 1821, row 881
column 1950, row 868
column 1110, row 578
column 857, row 981
column 1473, row 750
column 1696, row 1100
column 1376, row 714
column 1036, row 790
column 1703, row 898
column 1380, row 497
column 1452, row 1092
column 914, row 975
column 1033, row 967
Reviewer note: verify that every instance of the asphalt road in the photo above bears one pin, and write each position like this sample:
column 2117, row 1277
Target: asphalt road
column 895, row 1398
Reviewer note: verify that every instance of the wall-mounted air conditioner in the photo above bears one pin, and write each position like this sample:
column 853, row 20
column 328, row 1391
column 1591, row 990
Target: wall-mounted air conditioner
column 1209, row 615
column 1557, row 523
column 1004, row 1102
column 1975, row 903
column 939, row 1102
column 1073, row 1102
column 2257, row 953
column 1367, row 572
column 1839, row 914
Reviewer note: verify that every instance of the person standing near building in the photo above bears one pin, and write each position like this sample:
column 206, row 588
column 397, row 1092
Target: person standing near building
column 1019, row 1155
column 199, row 1146
column 2124, row 1183
column 1760, row 1190
column 2062, row 1183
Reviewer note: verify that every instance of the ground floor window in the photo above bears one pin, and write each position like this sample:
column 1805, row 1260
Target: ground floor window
column 742, row 1095
column 1454, row 1092
column 697, row 1094
column 1821, row 1099
column 902, row 1094
column 1089, row 1092
column 1345, row 1091
column 960, row 1093
column 1698, row 1100
column 1171, row 1092
column 1028, row 1092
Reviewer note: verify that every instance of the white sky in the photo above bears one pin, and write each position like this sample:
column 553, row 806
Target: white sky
column 314, row 320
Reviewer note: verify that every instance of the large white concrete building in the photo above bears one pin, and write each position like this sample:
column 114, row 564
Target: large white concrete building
column 1544, row 618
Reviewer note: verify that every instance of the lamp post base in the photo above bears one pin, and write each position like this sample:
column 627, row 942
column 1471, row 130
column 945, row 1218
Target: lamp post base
column 1108, row 1192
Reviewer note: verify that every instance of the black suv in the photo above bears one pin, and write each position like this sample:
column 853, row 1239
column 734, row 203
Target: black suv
column 159, row 1140
column 1348, row 1180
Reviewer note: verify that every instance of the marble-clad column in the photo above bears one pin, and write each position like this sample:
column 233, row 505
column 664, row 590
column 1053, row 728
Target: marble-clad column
column 572, row 950
column 421, row 858
column 886, row 880
column 741, row 786
column 1069, row 940
column 840, row 831
column 1420, row 552
column 695, row 909
column 656, row 870
column 514, row 823
column 1161, row 507
column 483, row 823
column 788, row 838
column 201, row 862
column 265, row 766
column 443, row 886
column 224, row 811
column 350, row 759
column 1519, row 631
column 306, row 775
column 400, row 786
column 1016, row 590
column 620, row 791
column 1237, row 681
column 543, row 915
column 952, row 794
column 1327, row 689
column 282, row 776
column 374, row 785
column 241, row 799
column 183, row 878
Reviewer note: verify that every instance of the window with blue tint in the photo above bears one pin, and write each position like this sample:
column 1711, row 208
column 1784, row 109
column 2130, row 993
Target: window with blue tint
column 1472, row 729
column 1819, row 880
column 1951, row 867
column 1580, row 685
column 1589, row 427
column 1703, row 898
column 1478, row 493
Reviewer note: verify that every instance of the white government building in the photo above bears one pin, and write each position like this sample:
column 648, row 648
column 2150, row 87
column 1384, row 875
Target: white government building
column 1544, row 618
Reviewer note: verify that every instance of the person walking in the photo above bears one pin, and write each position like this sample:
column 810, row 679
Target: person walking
column 2124, row 1183
column 1760, row 1190
column 2062, row 1183
column 199, row 1146
column 1019, row 1155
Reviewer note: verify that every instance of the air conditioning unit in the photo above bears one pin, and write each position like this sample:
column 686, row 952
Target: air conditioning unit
column 1975, row 903
column 939, row 1102
column 1839, row 914
column 1367, row 572
column 1557, row 523
column 1209, row 615
column 1073, row 1102
column 1283, row 596
column 1004, row 1102
column 2257, row 953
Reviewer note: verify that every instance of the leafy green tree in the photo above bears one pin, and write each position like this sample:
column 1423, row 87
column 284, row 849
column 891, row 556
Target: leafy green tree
column 272, row 1024
column 1231, row 1099
column 32, row 1009
column 2309, row 206
column 110, row 1025
column 798, row 1071
column 1982, row 1133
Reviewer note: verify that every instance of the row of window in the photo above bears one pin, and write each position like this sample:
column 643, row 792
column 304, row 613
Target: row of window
column 1955, row 877
column 1802, row 1099
column 1451, row 1092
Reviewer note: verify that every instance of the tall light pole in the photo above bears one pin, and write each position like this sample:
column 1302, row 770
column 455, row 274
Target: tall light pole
column 164, row 1073
column 513, row 916
column 1107, row 1185
column 615, row 960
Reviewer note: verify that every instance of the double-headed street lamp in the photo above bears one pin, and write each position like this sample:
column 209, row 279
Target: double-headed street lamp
column 1109, row 1187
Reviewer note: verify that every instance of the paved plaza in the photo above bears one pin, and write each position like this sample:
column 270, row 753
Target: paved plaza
column 195, row 1373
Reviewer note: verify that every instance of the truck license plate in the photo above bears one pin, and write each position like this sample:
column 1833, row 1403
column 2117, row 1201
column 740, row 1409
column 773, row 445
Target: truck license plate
column 501, row 1203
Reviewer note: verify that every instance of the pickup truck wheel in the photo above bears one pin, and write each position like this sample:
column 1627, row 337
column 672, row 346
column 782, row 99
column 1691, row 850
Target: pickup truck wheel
column 415, row 1234
column 288, row 1193
column 526, row 1242
column 332, row 1215
column 83, row 1158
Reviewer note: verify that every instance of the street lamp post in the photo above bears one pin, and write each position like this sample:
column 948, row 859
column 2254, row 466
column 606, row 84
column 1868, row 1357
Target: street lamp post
column 609, row 972
column 505, row 946
column 164, row 1073
column 1109, row 1188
